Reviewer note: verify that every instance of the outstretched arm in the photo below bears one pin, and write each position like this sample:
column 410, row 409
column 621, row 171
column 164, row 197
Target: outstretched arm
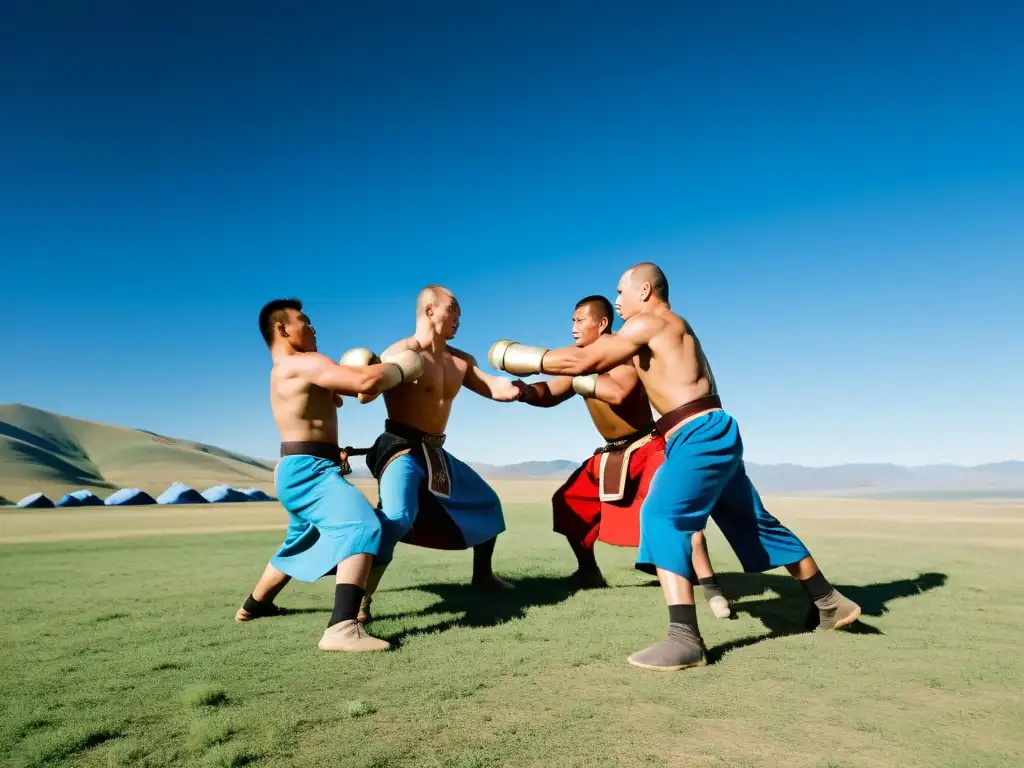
column 485, row 385
column 545, row 394
column 608, row 351
column 389, row 354
column 354, row 380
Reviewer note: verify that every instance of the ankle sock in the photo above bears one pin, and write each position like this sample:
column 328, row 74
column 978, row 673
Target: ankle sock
column 258, row 607
column 710, row 587
column 683, row 614
column 817, row 587
column 346, row 603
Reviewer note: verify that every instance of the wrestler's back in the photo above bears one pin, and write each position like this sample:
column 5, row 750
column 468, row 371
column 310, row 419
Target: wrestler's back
column 615, row 421
column 426, row 403
column 302, row 411
column 673, row 367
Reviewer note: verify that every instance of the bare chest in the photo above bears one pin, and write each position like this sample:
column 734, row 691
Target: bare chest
column 442, row 376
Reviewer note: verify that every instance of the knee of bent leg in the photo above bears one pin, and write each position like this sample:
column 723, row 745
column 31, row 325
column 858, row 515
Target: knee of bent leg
column 397, row 518
column 399, row 494
column 373, row 527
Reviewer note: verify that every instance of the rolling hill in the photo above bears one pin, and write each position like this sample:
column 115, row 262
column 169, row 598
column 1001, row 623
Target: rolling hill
column 43, row 451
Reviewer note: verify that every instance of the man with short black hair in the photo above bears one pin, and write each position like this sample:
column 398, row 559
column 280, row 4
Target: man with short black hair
column 332, row 528
column 601, row 500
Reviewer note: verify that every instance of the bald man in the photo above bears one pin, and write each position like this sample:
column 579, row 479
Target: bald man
column 703, row 474
column 428, row 497
column 601, row 500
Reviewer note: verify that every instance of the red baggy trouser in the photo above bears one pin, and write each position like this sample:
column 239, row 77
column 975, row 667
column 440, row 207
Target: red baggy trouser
column 581, row 516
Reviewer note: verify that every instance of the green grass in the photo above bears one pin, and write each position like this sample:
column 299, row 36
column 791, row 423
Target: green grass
column 124, row 652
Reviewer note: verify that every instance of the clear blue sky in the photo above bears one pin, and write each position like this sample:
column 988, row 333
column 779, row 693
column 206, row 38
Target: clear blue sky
column 836, row 192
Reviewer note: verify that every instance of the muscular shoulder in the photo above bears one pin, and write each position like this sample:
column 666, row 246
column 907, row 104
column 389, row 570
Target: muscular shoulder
column 301, row 363
column 463, row 360
column 402, row 345
column 460, row 354
column 642, row 328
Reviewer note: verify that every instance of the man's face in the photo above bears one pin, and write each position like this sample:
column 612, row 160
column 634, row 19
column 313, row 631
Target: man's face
column 587, row 325
column 630, row 298
column 299, row 331
column 445, row 314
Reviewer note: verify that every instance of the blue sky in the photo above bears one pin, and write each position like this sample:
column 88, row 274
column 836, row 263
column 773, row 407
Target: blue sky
column 834, row 192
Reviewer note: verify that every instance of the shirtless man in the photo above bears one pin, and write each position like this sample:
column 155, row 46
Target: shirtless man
column 428, row 497
column 601, row 500
column 331, row 526
column 703, row 474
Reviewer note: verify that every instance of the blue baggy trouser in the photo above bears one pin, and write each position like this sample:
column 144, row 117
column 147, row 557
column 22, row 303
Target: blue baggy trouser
column 410, row 512
column 703, row 475
column 329, row 520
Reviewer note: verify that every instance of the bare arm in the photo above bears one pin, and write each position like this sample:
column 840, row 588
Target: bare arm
column 344, row 379
column 485, row 385
column 545, row 394
column 614, row 387
column 399, row 346
column 610, row 350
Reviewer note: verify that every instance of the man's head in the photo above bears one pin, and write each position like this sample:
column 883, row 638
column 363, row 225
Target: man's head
column 282, row 321
column 641, row 287
column 591, row 317
column 439, row 308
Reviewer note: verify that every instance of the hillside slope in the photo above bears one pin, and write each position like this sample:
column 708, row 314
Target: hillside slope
column 43, row 451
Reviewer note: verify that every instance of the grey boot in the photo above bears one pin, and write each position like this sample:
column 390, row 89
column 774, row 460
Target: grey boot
column 683, row 648
column 833, row 612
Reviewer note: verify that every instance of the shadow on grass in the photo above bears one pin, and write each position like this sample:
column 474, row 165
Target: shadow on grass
column 481, row 608
column 786, row 612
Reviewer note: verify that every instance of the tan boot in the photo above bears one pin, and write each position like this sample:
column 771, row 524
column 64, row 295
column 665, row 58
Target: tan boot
column 351, row 637
column 719, row 607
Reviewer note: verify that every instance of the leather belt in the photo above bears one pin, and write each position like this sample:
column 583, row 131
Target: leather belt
column 322, row 450
column 412, row 434
column 619, row 443
column 685, row 411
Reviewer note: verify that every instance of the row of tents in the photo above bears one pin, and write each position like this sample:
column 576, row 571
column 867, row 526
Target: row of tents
column 177, row 493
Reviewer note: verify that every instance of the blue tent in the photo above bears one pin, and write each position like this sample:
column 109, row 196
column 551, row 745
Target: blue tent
column 129, row 497
column 219, row 494
column 35, row 501
column 255, row 494
column 179, row 493
column 81, row 498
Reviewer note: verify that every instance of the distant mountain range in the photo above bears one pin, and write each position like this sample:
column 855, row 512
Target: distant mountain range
column 934, row 480
column 1004, row 478
column 48, row 452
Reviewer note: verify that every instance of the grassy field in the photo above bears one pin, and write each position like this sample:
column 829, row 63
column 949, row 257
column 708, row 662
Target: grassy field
column 121, row 650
